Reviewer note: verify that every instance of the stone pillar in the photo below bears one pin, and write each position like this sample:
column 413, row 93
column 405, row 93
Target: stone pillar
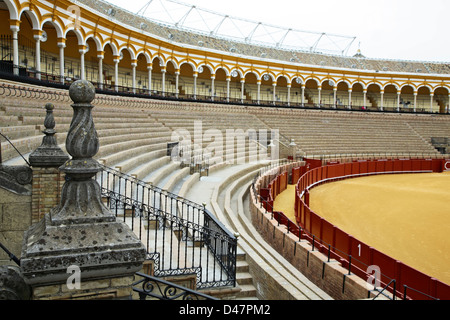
column 133, row 73
column 45, row 161
column 37, row 37
column 303, row 94
column 15, row 40
column 177, row 78
column 61, row 46
column 335, row 97
column 258, row 97
column 149, row 69
column 163, row 81
column 364, row 99
column 431, row 102
column 81, row 237
column 289, row 94
column 349, row 98
column 242, row 89
column 274, row 94
column 213, row 77
column 415, row 101
column 228, row 88
column 319, row 88
column 195, row 75
column 100, row 56
column 116, row 73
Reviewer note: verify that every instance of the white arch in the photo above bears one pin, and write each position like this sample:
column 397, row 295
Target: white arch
column 13, row 13
column 34, row 19
column 80, row 38
column 97, row 42
column 58, row 28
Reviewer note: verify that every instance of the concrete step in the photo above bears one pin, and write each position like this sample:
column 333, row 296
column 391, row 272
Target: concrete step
column 244, row 278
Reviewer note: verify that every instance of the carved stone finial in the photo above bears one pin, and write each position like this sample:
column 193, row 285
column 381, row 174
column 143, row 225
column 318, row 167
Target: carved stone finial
column 81, row 230
column 49, row 154
column 82, row 141
column 81, row 195
column 82, row 91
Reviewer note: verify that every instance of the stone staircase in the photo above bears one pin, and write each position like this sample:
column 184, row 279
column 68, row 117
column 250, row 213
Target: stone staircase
column 244, row 279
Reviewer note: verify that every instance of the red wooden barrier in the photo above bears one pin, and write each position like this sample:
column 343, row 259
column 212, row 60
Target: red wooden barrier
column 363, row 256
column 342, row 244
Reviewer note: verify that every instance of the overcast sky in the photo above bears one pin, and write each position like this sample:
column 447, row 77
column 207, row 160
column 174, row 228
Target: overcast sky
column 385, row 29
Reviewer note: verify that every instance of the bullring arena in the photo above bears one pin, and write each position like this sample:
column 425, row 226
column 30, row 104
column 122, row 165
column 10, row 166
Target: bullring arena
column 244, row 172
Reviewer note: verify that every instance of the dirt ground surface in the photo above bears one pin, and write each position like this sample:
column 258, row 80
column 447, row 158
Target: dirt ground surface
column 406, row 216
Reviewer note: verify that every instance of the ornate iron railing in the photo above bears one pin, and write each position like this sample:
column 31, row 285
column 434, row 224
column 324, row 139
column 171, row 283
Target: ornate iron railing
column 181, row 237
column 153, row 288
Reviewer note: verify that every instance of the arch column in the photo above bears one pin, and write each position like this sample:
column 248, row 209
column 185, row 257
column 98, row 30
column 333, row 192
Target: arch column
column 228, row 88
column 61, row 46
column 289, row 94
column 82, row 49
column 398, row 100
column 350, row 98
column 116, row 73
column 415, row 101
column 242, row 89
column 133, row 70
column 37, row 35
column 15, row 40
column 177, row 78
column 163, row 80
column 213, row 77
column 258, row 96
column 431, row 102
column 448, row 104
column 274, row 85
column 319, row 88
column 149, row 69
column 364, row 98
column 335, row 96
column 195, row 75
column 100, row 56
column 382, row 99
column 303, row 94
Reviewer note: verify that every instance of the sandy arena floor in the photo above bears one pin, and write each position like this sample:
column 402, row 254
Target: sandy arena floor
column 406, row 216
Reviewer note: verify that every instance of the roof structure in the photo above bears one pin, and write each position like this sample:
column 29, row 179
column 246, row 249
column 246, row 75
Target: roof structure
column 199, row 20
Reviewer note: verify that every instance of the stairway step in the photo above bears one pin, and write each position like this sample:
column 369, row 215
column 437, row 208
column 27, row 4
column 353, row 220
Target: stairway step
column 247, row 291
column 244, row 278
column 242, row 266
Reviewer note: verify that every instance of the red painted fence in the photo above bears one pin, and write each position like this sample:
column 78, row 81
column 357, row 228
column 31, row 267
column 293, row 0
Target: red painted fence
column 352, row 253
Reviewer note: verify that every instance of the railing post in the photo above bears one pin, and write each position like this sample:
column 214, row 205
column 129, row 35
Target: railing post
column 349, row 265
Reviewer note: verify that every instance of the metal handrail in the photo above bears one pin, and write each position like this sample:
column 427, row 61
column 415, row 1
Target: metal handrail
column 9, row 141
column 152, row 287
column 10, row 254
column 173, row 229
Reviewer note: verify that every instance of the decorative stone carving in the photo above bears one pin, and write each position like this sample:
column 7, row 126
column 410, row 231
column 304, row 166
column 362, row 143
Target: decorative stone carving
column 16, row 179
column 49, row 154
column 80, row 231
column 12, row 284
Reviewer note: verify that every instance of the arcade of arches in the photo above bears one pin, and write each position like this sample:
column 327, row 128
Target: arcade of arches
column 47, row 49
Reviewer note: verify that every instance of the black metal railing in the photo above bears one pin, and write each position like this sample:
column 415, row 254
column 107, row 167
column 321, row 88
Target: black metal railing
column 51, row 79
column 152, row 288
column 11, row 256
column 181, row 237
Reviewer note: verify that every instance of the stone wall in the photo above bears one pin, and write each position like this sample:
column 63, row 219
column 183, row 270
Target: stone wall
column 47, row 184
column 15, row 218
